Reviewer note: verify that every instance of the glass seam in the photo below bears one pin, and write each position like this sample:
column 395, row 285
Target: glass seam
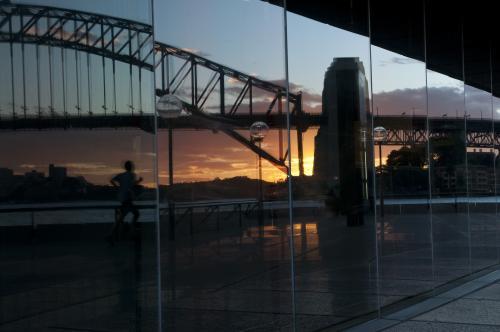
column 289, row 168
column 374, row 186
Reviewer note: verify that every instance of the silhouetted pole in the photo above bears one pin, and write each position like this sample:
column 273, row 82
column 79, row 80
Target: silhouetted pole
column 258, row 131
column 171, row 204
column 170, row 107
column 380, row 136
column 261, row 195
column 300, row 148
column 381, row 179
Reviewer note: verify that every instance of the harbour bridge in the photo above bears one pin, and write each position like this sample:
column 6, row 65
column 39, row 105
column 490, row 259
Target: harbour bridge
column 217, row 97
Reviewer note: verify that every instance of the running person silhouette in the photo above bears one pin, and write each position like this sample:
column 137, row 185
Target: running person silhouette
column 126, row 183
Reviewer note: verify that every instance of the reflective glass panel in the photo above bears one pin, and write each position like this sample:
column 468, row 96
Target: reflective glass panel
column 401, row 155
column 77, row 222
column 332, row 159
column 480, row 149
column 225, row 258
column 447, row 150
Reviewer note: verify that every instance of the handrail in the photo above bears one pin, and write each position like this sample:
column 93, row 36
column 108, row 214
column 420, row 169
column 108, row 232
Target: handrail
column 39, row 207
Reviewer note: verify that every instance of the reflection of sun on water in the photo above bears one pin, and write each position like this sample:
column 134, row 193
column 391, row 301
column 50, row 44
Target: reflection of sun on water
column 271, row 231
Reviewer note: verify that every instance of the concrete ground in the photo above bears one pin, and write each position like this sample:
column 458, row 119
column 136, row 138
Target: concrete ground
column 471, row 306
column 239, row 278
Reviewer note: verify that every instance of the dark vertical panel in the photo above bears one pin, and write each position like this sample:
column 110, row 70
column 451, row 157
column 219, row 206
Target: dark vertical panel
column 480, row 151
column 225, row 235
column 402, row 165
column 336, row 268
column 60, row 266
column 495, row 79
column 447, row 149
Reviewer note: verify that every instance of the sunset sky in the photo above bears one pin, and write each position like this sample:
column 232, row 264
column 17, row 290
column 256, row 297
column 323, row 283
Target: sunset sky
column 225, row 32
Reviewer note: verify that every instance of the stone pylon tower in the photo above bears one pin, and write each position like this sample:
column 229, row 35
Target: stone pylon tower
column 342, row 148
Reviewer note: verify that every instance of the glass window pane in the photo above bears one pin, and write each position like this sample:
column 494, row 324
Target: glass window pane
column 495, row 75
column 402, row 164
column 225, row 224
column 332, row 159
column 76, row 253
column 446, row 109
column 480, row 149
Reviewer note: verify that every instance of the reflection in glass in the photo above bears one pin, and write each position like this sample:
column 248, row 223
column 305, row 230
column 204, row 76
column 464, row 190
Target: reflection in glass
column 61, row 268
column 393, row 160
column 340, row 156
column 447, row 149
column 335, row 265
column 402, row 171
column 480, row 150
column 225, row 234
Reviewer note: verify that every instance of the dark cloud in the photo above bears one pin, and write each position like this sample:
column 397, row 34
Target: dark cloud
column 402, row 100
column 477, row 102
column 441, row 100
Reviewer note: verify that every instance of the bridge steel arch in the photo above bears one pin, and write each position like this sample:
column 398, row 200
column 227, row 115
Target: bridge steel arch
column 114, row 38
column 132, row 43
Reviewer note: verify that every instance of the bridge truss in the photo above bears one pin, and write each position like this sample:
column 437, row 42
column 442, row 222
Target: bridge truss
column 218, row 97
column 131, row 43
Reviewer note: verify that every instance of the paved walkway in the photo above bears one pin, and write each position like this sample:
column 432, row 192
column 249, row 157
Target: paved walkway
column 472, row 306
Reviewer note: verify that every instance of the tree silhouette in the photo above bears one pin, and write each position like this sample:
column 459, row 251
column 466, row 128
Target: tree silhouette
column 409, row 157
column 448, row 154
column 406, row 172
